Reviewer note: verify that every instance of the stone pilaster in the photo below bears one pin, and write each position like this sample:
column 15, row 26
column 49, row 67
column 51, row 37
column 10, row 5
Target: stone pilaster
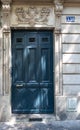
column 58, row 47
column 6, row 14
column 6, row 44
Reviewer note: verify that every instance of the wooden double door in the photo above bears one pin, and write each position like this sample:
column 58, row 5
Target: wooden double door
column 32, row 72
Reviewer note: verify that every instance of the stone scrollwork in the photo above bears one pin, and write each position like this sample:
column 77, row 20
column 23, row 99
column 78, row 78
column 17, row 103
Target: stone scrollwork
column 33, row 15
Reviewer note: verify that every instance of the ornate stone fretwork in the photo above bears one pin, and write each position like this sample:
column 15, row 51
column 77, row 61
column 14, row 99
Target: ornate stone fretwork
column 6, row 13
column 33, row 15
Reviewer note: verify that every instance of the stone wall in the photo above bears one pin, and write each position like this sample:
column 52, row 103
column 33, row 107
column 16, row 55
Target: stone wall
column 70, row 48
column 64, row 21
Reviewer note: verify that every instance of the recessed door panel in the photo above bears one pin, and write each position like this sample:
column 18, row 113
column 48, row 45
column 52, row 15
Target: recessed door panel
column 19, row 64
column 45, row 64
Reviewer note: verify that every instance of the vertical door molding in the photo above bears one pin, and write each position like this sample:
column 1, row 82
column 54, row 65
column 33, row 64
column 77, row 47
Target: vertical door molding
column 6, row 44
column 6, row 62
column 58, row 48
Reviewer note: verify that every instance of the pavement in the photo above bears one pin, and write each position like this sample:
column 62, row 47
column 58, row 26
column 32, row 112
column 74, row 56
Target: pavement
column 55, row 125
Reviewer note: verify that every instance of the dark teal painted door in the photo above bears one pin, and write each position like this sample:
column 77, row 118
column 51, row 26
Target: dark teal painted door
column 32, row 72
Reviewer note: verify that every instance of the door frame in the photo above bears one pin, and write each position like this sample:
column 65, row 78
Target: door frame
column 42, row 29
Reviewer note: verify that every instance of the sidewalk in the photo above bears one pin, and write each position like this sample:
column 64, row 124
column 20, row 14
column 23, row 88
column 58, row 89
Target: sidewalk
column 56, row 125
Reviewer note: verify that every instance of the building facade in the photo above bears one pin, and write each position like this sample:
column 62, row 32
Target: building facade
column 39, row 60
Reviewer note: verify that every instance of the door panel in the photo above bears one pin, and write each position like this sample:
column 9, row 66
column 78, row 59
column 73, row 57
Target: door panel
column 32, row 72
column 32, row 65
column 45, row 64
column 25, row 103
column 19, row 64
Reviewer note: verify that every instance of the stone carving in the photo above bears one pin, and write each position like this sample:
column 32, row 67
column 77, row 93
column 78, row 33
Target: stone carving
column 6, row 14
column 33, row 15
column 58, row 7
column 6, row 9
column 6, row 6
column 58, row 12
column 6, row 1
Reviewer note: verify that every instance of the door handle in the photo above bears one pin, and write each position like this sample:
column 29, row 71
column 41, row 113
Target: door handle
column 19, row 85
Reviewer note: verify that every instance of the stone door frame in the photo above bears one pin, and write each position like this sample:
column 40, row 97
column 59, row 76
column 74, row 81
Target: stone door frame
column 6, row 40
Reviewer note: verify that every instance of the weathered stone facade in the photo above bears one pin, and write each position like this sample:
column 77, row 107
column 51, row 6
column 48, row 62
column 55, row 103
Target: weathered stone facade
column 64, row 19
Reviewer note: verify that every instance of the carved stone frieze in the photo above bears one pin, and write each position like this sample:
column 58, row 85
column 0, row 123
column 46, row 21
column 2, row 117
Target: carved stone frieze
column 33, row 15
